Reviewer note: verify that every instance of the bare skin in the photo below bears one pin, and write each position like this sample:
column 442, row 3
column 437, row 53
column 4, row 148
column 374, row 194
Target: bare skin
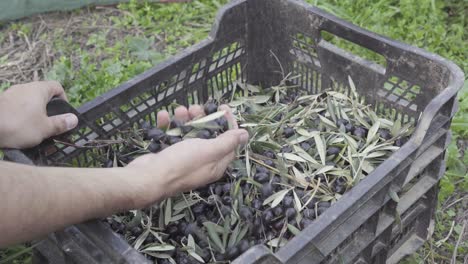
column 36, row 200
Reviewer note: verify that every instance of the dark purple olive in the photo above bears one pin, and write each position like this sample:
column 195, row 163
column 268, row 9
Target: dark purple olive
column 172, row 230
column 218, row 190
column 300, row 193
column 269, row 163
column 232, row 252
column 201, row 219
column 173, row 140
column 182, row 226
column 120, row 227
column 278, row 117
column 164, row 261
column 199, row 208
column 210, row 108
column 205, row 255
column 245, row 191
column 332, row 151
column 219, row 257
column 341, row 121
column 339, row 188
column 276, row 180
column 268, row 216
column 305, row 146
column 288, row 201
column 186, row 129
column 267, row 190
column 341, row 181
column 278, row 225
column 286, row 149
column 360, row 132
column 204, row 134
column 156, row 134
column 309, row 213
column 261, row 169
column 349, row 128
column 261, row 177
column 154, row 147
column 150, row 239
column 246, row 214
column 258, row 222
column 277, row 211
column 225, row 210
column 321, row 210
column 400, row 142
column 191, row 228
column 136, row 230
column 243, row 246
column 269, row 154
column 385, row 134
column 227, row 200
column 257, row 204
column 324, row 204
column 227, row 188
column 290, row 213
column 175, row 124
column 288, row 132
column 223, row 123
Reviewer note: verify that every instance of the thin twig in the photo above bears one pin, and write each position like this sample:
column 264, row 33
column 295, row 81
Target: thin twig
column 454, row 256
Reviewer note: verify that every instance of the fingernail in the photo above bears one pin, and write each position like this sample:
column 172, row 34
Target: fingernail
column 71, row 121
column 244, row 137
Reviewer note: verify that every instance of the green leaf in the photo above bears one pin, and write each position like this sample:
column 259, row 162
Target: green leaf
column 293, row 230
column 327, row 121
column 184, row 204
column 165, row 247
column 277, row 242
column 207, row 118
column 290, row 156
column 214, row 237
column 394, row 195
column 372, row 132
column 276, row 198
column 168, row 212
column 234, row 235
column 320, row 148
column 213, row 226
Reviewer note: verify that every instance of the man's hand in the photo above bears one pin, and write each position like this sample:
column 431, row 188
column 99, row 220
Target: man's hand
column 23, row 117
column 186, row 165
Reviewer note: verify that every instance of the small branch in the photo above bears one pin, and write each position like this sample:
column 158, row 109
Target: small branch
column 454, row 256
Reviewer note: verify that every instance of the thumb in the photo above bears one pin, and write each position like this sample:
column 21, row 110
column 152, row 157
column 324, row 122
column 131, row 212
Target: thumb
column 60, row 124
column 227, row 142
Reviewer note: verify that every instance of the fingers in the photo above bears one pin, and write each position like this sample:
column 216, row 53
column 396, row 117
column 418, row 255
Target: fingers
column 196, row 111
column 54, row 89
column 60, row 124
column 229, row 116
column 227, row 142
column 163, row 119
column 181, row 114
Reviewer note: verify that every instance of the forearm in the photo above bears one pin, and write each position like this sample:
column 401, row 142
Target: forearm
column 37, row 200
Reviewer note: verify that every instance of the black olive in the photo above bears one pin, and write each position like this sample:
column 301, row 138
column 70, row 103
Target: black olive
column 172, row 230
column 305, row 146
column 268, row 216
column 199, row 208
column 136, row 231
column 257, row 223
column 173, row 140
column 246, row 214
column 232, row 252
column 321, row 210
column 219, row 257
column 182, row 226
column 269, row 154
column 290, row 213
column 154, row 147
column 288, row 201
column 288, row 132
column 300, row 193
column 227, row 200
column 205, row 254
column 400, row 142
column 277, row 211
column 278, row 225
column 261, row 177
column 267, row 190
column 257, row 204
column 360, row 132
column 245, row 191
column 339, row 188
column 349, row 128
column 276, row 179
column 156, row 134
column 218, row 190
column 191, row 228
column 186, row 129
column 204, row 134
column 164, row 261
column 150, row 239
column 226, row 188
column 278, row 117
column 243, row 246
column 332, row 151
column 341, row 181
column 225, row 210
column 261, row 169
column 309, row 213
column 175, row 124
column 269, row 163
column 286, row 149
column 341, row 121
column 121, row 227
column 223, row 123
column 201, row 219
column 385, row 134
column 210, row 108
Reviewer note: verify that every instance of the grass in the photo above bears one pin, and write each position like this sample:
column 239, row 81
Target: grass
column 92, row 50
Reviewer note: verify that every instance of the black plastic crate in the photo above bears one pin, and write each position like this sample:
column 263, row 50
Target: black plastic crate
column 255, row 41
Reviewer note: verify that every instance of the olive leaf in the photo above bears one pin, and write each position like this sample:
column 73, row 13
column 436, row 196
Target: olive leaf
column 174, row 132
column 168, row 212
column 327, row 121
column 320, row 148
column 394, row 195
column 179, row 206
column 297, row 202
column 207, row 118
column 290, row 156
column 277, row 242
column 276, row 198
column 213, row 229
column 139, row 241
column 234, row 235
column 293, row 230
column 372, row 132
column 164, row 247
